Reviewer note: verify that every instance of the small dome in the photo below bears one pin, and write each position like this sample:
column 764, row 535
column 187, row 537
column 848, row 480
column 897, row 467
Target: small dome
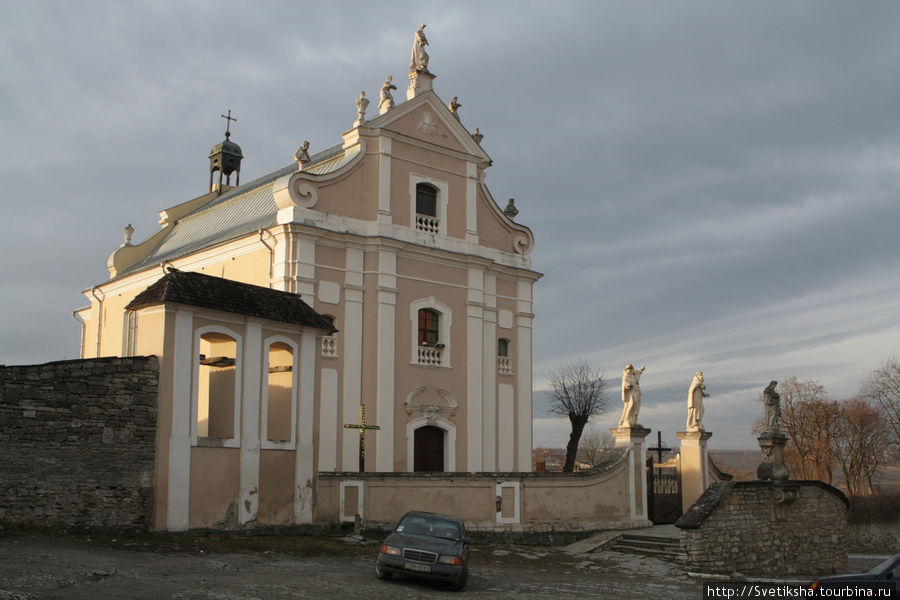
column 226, row 146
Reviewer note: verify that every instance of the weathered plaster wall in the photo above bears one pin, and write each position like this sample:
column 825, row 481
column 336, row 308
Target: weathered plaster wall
column 78, row 440
column 741, row 527
column 530, row 502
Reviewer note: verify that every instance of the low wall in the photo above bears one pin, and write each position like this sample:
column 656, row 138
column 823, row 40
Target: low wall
column 78, row 440
column 767, row 528
column 499, row 502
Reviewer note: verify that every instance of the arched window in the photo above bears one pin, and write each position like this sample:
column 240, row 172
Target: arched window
column 428, row 327
column 426, row 200
column 216, row 385
column 430, row 332
column 280, row 393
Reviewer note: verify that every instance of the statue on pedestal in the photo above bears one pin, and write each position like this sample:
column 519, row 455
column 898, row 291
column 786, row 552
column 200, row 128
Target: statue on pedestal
column 696, row 394
column 631, row 396
column 419, row 59
column 772, row 402
column 362, row 103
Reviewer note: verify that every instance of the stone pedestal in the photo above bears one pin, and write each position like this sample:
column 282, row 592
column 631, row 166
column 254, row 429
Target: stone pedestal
column 694, row 466
column 632, row 438
column 771, row 445
column 419, row 83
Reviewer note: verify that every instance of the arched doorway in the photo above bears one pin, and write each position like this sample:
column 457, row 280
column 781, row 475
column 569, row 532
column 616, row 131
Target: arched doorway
column 428, row 449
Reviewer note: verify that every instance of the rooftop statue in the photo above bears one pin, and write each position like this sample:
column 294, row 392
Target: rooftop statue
column 419, row 59
column 631, row 396
column 454, row 107
column 386, row 102
column 362, row 103
column 696, row 394
column 302, row 154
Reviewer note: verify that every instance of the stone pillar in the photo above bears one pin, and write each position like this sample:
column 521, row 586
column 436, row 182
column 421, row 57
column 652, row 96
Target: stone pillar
column 633, row 439
column 419, row 83
column 771, row 444
column 694, row 466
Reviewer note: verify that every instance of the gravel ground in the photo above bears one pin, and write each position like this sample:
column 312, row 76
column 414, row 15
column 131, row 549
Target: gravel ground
column 36, row 566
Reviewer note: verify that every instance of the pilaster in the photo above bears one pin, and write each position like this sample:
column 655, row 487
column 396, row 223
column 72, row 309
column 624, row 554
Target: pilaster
column 474, row 368
column 304, row 466
column 352, row 356
column 387, row 309
column 251, row 365
column 179, row 467
column 524, row 318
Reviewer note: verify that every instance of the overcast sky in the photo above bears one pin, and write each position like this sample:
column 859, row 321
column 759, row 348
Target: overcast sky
column 711, row 185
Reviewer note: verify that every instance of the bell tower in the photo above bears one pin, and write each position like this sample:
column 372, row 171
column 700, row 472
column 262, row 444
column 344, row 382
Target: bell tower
column 225, row 157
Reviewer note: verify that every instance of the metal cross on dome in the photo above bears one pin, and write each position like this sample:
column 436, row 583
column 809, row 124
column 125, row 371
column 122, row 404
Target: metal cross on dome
column 229, row 119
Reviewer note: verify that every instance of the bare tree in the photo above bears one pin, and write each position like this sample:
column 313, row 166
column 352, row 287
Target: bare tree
column 883, row 386
column 577, row 394
column 597, row 450
column 860, row 441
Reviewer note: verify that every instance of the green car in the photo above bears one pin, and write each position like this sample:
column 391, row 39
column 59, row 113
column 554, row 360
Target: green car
column 426, row 545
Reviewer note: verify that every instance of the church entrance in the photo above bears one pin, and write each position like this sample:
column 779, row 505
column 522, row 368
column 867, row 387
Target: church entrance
column 428, row 449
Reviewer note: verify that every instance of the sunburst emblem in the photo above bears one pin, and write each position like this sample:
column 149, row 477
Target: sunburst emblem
column 426, row 124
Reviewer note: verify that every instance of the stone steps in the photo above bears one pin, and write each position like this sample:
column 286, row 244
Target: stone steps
column 665, row 548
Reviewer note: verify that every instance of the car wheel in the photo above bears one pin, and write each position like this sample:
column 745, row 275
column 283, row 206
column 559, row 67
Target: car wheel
column 382, row 573
column 460, row 582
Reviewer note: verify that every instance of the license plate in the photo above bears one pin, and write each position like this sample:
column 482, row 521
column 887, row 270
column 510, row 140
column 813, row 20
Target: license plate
column 417, row 567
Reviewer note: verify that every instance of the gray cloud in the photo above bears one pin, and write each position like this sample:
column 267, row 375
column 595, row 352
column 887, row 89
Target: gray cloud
column 710, row 186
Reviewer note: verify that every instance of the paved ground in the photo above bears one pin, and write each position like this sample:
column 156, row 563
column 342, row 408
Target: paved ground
column 42, row 567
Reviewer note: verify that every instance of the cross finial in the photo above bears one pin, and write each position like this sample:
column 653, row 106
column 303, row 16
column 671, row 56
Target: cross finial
column 229, row 118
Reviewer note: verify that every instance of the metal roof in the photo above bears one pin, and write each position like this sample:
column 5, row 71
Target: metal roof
column 235, row 213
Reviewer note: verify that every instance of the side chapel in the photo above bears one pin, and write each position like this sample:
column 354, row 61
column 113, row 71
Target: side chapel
column 377, row 275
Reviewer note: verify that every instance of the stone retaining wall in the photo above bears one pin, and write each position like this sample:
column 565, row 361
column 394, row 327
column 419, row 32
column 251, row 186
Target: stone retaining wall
column 764, row 528
column 78, row 440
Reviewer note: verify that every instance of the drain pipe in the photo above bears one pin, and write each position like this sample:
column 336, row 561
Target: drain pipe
column 80, row 321
column 99, row 319
column 271, row 252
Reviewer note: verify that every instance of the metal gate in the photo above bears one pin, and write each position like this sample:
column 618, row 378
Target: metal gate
column 663, row 491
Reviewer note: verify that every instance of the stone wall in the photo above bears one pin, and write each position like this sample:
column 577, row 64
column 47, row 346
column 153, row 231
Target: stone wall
column 765, row 528
column 78, row 440
column 522, row 503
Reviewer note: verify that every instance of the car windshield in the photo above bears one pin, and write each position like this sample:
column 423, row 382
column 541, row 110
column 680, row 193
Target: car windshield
column 430, row 526
column 881, row 567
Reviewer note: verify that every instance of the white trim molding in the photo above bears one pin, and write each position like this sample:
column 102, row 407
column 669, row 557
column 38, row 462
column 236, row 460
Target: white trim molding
column 516, row 502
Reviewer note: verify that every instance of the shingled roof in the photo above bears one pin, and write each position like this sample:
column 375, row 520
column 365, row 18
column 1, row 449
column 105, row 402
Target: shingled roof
column 197, row 289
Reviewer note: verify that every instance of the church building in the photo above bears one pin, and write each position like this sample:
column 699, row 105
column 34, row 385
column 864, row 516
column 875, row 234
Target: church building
column 374, row 284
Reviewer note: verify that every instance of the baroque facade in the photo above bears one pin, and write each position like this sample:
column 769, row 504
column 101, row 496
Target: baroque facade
column 415, row 306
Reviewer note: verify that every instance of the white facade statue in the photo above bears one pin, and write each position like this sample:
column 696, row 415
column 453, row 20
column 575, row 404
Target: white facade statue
column 419, row 59
column 454, row 107
column 386, row 102
column 696, row 394
column 631, row 396
column 362, row 103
